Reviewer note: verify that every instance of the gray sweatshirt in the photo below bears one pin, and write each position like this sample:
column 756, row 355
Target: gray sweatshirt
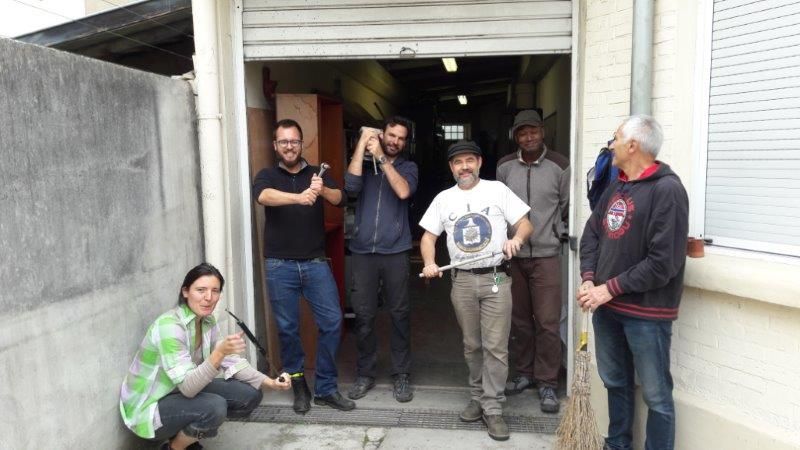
column 544, row 186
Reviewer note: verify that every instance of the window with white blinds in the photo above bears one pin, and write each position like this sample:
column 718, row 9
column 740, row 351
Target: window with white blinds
column 752, row 196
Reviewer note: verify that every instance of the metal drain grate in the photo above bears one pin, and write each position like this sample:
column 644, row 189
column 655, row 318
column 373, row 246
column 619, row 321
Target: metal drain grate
column 446, row 420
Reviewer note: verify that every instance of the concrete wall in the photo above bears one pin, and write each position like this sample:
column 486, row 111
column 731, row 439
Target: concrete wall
column 100, row 221
column 736, row 345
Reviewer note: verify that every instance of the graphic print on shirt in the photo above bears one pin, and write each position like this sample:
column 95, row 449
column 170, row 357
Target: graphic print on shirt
column 472, row 232
column 618, row 216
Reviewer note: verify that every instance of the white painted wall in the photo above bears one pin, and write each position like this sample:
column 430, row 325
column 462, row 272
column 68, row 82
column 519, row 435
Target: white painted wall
column 25, row 16
column 96, row 6
column 736, row 345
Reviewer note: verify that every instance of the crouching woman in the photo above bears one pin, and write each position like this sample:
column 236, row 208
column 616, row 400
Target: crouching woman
column 171, row 391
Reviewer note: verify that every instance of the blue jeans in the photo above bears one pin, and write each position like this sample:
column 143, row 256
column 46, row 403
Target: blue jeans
column 287, row 279
column 623, row 344
column 201, row 415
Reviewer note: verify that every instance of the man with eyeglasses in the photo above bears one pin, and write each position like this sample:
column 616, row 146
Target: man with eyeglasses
column 633, row 256
column 380, row 247
column 540, row 177
column 294, row 248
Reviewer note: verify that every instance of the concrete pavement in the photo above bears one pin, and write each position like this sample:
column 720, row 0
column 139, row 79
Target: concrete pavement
column 259, row 436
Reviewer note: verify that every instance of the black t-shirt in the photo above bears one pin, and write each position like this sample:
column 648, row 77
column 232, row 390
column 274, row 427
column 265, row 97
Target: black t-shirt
column 292, row 231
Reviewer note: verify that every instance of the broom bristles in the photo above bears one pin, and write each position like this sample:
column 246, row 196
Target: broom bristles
column 578, row 429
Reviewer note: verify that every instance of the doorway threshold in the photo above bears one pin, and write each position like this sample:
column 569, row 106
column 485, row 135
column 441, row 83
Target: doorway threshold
column 433, row 407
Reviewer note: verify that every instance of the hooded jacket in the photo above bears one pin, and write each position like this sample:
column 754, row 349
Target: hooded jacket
column 635, row 243
column 381, row 222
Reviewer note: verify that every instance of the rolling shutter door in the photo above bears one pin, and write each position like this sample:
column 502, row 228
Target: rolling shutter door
column 325, row 29
column 753, row 172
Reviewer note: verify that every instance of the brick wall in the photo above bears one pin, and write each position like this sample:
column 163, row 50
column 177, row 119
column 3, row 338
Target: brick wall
column 734, row 359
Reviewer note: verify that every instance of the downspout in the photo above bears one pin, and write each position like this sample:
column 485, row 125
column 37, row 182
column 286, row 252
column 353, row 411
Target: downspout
column 642, row 57
column 209, row 130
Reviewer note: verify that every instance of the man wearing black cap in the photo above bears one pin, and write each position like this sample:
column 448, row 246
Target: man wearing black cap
column 475, row 214
column 540, row 177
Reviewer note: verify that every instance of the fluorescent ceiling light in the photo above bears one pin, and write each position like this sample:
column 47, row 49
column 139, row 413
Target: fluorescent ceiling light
column 450, row 64
column 462, row 99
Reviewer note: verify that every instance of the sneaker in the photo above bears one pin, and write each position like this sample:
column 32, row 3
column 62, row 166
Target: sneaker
column 548, row 400
column 518, row 384
column 335, row 401
column 302, row 396
column 360, row 387
column 402, row 388
column 472, row 412
column 498, row 430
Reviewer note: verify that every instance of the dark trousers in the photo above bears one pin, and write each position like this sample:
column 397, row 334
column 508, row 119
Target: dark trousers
column 368, row 271
column 201, row 415
column 535, row 340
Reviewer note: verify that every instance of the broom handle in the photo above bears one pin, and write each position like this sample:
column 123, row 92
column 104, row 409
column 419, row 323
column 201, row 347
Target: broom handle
column 583, row 342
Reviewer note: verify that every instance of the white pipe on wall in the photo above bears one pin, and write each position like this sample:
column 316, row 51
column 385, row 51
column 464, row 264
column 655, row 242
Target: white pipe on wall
column 642, row 57
column 209, row 130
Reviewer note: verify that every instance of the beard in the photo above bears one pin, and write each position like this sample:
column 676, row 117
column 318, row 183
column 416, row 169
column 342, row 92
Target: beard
column 289, row 163
column 390, row 150
column 468, row 181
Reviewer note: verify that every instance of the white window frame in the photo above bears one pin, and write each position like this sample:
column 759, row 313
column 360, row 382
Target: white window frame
column 697, row 210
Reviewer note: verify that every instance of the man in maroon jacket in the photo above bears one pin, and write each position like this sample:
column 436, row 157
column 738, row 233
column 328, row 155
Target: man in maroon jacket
column 633, row 254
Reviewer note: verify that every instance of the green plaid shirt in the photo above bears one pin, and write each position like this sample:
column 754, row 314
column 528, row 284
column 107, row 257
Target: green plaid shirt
column 162, row 362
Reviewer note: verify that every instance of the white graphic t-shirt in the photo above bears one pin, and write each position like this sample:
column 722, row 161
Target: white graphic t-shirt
column 476, row 221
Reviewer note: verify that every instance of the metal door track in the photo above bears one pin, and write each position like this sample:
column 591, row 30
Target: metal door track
column 389, row 418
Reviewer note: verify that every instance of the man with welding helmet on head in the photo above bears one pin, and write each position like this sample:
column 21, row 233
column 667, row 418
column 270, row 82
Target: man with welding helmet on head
column 382, row 180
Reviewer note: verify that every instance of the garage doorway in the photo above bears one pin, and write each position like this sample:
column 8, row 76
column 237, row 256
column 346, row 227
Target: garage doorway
column 424, row 91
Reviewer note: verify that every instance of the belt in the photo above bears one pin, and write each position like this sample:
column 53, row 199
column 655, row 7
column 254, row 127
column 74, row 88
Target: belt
column 484, row 270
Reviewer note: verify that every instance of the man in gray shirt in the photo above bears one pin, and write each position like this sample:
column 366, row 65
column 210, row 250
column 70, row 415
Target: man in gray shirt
column 540, row 177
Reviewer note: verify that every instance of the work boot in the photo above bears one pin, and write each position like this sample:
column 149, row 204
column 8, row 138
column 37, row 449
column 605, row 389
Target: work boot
column 336, row 401
column 472, row 412
column 302, row 395
column 498, row 430
column 402, row 388
column 360, row 387
column 548, row 400
column 518, row 384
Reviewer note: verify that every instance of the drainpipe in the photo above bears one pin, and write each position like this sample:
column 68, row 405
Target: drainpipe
column 209, row 129
column 642, row 57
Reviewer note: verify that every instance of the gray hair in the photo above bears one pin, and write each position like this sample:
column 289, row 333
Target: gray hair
column 645, row 130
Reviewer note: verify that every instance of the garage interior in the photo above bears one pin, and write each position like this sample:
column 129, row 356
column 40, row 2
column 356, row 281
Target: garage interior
column 425, row 92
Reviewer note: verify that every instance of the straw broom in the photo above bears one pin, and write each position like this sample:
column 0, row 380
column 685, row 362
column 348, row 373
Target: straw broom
column 578, row 429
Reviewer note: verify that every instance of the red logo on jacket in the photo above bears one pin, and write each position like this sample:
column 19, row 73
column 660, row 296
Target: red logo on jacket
column 618, row 216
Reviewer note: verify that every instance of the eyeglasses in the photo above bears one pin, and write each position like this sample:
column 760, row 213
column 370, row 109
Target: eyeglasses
column 613, row 139
column 283, row 143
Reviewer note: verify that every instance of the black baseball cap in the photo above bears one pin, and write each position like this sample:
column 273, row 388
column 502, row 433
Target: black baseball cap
column 462, row 146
